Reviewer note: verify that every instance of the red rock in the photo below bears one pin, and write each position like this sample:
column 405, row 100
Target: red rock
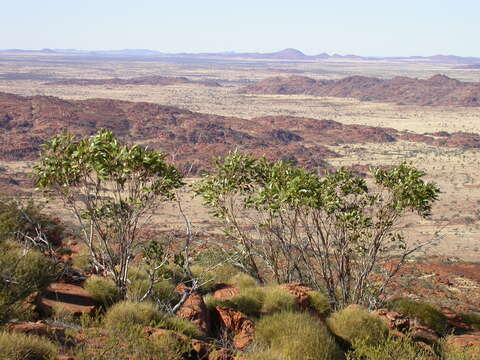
column 194, row 310
column 225, row 292
column 38, row 328
column 72, row 298
column 299, row 292
column 239, row 324
column 465, row 340
column 454, row 320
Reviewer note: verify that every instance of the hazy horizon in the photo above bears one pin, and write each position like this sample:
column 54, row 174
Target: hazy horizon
column 368, row 28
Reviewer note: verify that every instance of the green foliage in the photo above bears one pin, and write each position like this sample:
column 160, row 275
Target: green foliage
column 355, row 324
column 103, row 290
column 22, row 271
column 212, row 276
column 428, row 314
column 109, row 187
column 163, row 291
column 391, row 348
column 182, row 326
column 294, row 336
column 297, row 225
column 26, row 347
column 319, row 303
column 277, row 299
column 127, row 313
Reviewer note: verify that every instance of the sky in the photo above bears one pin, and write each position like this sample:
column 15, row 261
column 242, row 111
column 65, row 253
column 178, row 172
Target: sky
column 361, row 27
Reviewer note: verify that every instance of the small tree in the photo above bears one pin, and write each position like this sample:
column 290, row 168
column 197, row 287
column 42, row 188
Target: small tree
column 111, row 189
column 333, row 232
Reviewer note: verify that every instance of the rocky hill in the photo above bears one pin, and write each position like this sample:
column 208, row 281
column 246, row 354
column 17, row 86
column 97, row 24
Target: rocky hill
column 438, row 90
column 192, row 138
column 142, row 80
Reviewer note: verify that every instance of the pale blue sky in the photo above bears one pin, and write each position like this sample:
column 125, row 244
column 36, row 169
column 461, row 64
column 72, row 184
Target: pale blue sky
column 362, row 27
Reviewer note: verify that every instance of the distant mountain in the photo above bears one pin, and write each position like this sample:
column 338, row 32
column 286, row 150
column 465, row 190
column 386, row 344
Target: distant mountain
column 439, row 90
column 289, row 54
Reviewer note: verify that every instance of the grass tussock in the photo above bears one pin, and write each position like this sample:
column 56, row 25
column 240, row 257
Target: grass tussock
column 390, row 348
column 243, row 281
column 103, row 290
column 355, row 324
column 277, row 299
column 319, row 303
column 128, row 313
column 294, row 336
column 26, row 347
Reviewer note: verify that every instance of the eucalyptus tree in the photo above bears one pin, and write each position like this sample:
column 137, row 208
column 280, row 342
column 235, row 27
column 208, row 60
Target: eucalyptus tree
column 111, row 189
column 339, row 232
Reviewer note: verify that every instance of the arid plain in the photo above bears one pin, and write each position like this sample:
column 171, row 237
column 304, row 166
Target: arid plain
column 456, row 217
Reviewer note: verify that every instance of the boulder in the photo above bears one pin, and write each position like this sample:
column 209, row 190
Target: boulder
column 225, row 292
column 194, row 310
column 72, row 298
column 300, row 293
column 239, row 324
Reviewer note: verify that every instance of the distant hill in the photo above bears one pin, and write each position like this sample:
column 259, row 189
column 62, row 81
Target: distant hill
column 439, row 90
column 289, row 54
column 193, row 138
column 143, row 80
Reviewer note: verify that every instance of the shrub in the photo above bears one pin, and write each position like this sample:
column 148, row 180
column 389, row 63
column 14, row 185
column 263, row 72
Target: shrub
column 18, row 220
column 319, row 303
column 355, row 324
column 428, row 314
column 242, row 280
column 399, row 349
column 103, row 290
column 294, row 336
column 26, row 347
column 219, row 274
column 127, row 313
column 26, row 272
column 277, row 299
column 473, row 319
column 180, row 325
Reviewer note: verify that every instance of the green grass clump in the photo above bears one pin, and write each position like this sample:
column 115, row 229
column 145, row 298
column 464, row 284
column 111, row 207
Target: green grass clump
column 249, row 301
column 294, row 336
column 391, row 348
column 182, row 326
column 163, row 292
column 319, row 303
column 243, row 281
column 355, row 324
column 103, row 290
column 428, row 314
column 83, row 260
column 473, row 319
column 127, row 313
column 277, row 299
column 26, row 347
